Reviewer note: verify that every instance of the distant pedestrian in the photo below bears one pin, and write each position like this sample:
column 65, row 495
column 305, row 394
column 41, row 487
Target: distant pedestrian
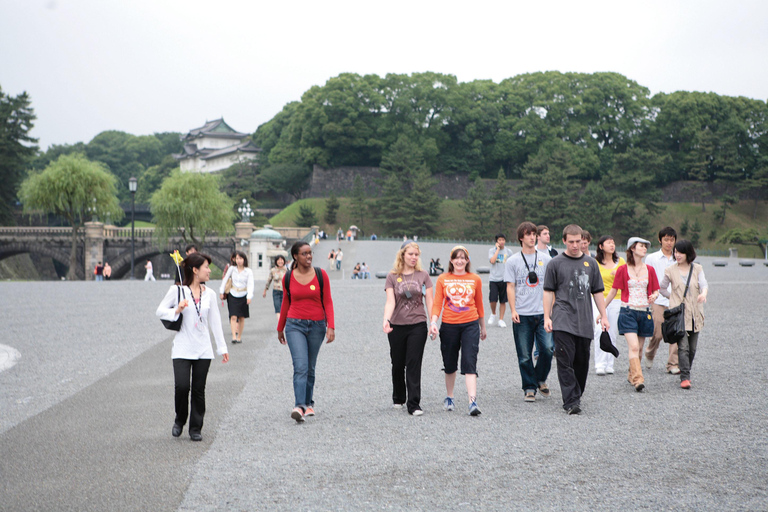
column 306, row 316
column 608, row 262
column 497, row 288
column 339, row 258
column 660, row 261
column 339, row 235
column 459, row 297
column 332, row 260
column 240, row 294
column 192, row 352
column 639, row 288
column 586, row 239
column 686, row 274
column 571, row 278
column 543, row 240
column 356, row 272
column 524, row 275
column 191, row 248
column 99, row 272
column 349, row 235
column 405, row 322
column 365, row 270
column 276, row 275
column 149, row 276
column 107, row 271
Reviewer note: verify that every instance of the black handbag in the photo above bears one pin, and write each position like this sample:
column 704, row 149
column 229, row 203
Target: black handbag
column 175, row 325
column 673, row 327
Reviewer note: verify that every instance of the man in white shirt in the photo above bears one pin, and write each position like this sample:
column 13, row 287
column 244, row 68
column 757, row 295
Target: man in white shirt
column 498, row 255
column 660, row 261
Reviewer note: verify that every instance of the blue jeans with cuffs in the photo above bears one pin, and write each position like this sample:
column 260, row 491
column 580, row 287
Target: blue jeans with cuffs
column 304, row 338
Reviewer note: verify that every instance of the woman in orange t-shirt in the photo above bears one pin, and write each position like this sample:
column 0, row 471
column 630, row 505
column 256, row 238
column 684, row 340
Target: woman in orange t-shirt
column 463, row 324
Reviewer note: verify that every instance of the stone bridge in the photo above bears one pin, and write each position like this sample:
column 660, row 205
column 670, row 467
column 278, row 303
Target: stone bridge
column 97, row 242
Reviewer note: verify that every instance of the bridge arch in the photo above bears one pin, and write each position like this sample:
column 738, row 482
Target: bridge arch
column 54, row 250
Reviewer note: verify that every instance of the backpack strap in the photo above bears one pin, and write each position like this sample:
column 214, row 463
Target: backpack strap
column 320, row 280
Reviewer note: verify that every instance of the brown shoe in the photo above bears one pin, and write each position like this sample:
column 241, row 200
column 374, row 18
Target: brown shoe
column 636, row 374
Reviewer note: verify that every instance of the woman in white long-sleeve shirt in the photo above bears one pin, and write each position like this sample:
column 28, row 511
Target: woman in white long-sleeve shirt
column 192, row 351
column 240, row 295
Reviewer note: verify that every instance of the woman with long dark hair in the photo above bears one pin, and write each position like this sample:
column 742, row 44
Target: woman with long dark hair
column 192, row 352
column 306, row 316
column 276, row 275
column 608, row 262
column 639, row 288
column 459, row 297
column 681, row 274
column 240, row 294
column 405, row 322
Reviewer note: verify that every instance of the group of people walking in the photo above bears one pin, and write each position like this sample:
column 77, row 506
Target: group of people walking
column 558, row 303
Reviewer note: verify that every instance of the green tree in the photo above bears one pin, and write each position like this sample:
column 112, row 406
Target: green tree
column 756, row 185
column 501, row 202
column 726, row 203
column 151, row 180
column 16, row 148
column 747, row 236
column 696, row 233
column 423, row 203
column 292, row 179
column 307, row 216
column 76, row 189
column 192, row 206
column 359, row 202
column 477, row 210
column 331, row 209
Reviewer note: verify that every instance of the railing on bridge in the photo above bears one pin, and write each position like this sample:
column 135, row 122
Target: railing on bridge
column 35, row 231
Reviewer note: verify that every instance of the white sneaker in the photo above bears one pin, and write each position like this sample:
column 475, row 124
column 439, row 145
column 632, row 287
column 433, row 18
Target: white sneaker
column 491, row 319
column 502, row 324
column 600, row 371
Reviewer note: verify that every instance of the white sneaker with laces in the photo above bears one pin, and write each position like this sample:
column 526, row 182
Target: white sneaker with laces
column 502, row 324
column 491, row 319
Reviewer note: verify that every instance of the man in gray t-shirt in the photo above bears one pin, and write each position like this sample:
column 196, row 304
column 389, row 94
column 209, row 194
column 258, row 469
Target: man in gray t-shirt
column 524, row 274
column 569, row 281
column 498, row 255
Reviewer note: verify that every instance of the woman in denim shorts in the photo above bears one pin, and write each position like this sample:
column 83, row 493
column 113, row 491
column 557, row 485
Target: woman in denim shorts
column 639, row 288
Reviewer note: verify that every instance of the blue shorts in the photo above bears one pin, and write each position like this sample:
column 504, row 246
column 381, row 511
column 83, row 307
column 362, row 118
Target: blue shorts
column 634, row 321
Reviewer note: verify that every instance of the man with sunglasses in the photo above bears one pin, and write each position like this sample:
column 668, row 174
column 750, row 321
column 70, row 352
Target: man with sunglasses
column 524, row 275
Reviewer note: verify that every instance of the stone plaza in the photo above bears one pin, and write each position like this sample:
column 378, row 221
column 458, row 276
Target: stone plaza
column 86, row 408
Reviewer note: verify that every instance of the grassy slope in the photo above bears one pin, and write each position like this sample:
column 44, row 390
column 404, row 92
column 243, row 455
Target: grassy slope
column 456, row 225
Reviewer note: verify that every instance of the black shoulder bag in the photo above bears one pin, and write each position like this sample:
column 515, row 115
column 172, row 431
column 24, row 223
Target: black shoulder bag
column 175, row 325
column 673, row 327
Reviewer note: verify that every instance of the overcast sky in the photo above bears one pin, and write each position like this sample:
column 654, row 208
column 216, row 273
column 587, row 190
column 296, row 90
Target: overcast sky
column 145, row 66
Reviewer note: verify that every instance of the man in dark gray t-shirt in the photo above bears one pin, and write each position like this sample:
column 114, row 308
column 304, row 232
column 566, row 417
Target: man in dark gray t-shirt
column 571, row 278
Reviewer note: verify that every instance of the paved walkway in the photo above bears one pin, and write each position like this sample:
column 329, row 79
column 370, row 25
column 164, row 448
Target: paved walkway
column 85, row 416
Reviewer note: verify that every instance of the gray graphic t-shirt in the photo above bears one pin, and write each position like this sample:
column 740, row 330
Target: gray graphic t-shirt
column 573, row 280
column 529, row 297
column 497, row 269
column 408, row 310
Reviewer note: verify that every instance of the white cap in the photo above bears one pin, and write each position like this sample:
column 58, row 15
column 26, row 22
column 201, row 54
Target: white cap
column 636, row 239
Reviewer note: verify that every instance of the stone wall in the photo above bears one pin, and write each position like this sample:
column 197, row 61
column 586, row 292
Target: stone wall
column 341, row 180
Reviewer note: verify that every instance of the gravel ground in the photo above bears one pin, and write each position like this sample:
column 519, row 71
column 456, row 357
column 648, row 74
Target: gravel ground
column 665, row 448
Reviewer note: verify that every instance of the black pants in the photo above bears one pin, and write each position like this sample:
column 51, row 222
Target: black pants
column 198, row 368
column 572, row 354
column 406, row 347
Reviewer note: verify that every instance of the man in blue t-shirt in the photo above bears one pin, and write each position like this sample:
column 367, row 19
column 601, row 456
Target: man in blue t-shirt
column 524, row 273
column 498, row 255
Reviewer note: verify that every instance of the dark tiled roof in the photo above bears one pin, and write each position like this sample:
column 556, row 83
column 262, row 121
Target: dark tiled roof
column 217, row 128
column 246, row 147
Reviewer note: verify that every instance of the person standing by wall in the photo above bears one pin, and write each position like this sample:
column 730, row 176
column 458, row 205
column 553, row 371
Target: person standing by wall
column 405, row 323
column 149, row 276
column 677, row 278
column 524, row 274
column 570, row 279
column 639, row 288
column 306, row 317
column 459, row 297
column 608, row 262
column 192, row 352
column 498, row 255
column 99, row 272
column 660, row 261
column 239, row 296
column 107, row 271
column 276, row 275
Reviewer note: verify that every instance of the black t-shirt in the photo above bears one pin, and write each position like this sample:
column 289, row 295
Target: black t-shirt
column 574, row 281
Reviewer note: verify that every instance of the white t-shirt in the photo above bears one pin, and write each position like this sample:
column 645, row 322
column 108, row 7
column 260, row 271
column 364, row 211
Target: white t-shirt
column 659, row 262
column 497, row 269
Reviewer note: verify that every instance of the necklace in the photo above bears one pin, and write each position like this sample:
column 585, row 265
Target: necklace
column 198, row 306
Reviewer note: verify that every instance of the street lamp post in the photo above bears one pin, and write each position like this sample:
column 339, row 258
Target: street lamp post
column 245, row 211
column 132, row 185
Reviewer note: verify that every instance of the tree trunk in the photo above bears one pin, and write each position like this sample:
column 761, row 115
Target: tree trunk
column 72, row 270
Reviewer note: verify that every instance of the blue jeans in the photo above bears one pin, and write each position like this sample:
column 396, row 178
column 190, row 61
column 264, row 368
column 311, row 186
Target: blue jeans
column 304, row 338
column 529, row 329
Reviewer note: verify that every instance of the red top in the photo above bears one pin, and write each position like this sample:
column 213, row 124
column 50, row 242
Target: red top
column 460, row 298
column 621, row 281
column 305, row 301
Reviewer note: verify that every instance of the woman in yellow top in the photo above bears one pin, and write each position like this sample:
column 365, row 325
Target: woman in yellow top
column 608, row 262
column 459, row 296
